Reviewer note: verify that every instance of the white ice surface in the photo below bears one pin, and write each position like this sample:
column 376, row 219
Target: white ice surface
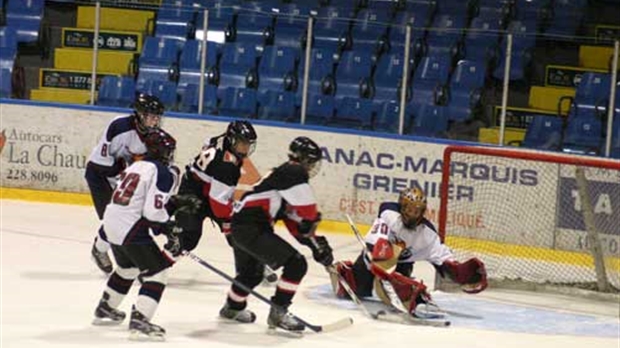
column 50, row 288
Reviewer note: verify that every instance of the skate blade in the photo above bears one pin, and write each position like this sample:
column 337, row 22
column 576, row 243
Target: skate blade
column 276, row 331
column 135, row 335
column 106, row 322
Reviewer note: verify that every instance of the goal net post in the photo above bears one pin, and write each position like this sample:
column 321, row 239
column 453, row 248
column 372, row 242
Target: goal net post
column 539, row 221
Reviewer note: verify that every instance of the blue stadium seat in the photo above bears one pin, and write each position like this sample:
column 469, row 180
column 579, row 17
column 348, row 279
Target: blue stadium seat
column 388, row 77
column 190, row 99
column 353, row 75
column 277, row 106
column 428, row 120
column 520, row 61
column 321, row 75
column 487, row 9
column 116, row 91
column 353, row 112
column 567, row 16
column 166, row 91
column 482, row 39
column 175, row 21
column 237, row 67
column 320, row 109
column 388, row 117
column 291, row 26
column 544, row 133
column 369, row 31
column 254, row 26
column 465, row 89
column 418, row 22
column 158, row 60
column 593, row 89
column 8, row 47
column 25, row 17
column 239, row 102
column 539, row 10
column 331, row 28
column 583, row 135
column 5, row 83
column 221, row 24
column 277, row 69
column 189, row 63
column 447, row 30
column 457, row 9
column 430, row 79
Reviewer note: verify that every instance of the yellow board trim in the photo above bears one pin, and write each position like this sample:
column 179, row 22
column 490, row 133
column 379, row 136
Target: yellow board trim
column 61, row 95
column 596, row 57
column 117, row 19
column 480, row 246
column 108, row 62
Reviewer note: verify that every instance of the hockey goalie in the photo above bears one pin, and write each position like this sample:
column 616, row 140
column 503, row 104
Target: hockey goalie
column 400, row 236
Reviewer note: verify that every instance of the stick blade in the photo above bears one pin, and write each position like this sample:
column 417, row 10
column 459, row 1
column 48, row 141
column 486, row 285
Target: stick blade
column 335, row 326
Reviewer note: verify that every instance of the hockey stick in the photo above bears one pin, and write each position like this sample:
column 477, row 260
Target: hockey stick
column 337, row 325
column 395, row 301
column 332, row 270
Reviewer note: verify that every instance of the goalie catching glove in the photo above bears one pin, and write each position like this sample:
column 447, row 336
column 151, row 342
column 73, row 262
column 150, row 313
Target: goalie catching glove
column 471, row 275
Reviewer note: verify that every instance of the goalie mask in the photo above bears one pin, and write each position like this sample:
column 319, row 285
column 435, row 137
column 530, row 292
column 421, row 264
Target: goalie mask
column 306, row 152
column 412, row 203
column 240, row 139
column 148, row 111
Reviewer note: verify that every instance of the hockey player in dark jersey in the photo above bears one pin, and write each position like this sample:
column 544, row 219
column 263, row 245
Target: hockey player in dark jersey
column 140, row 205
column 122, row 143
column 211, row 179
column 284, row 193
column 399, row 236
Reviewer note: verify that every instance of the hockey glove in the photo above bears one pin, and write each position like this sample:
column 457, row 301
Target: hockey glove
column 172, row 232
column 321, row 251
column 188, row 204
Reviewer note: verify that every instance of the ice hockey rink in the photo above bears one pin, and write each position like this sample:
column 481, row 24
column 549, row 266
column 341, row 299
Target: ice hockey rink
column 50, row 288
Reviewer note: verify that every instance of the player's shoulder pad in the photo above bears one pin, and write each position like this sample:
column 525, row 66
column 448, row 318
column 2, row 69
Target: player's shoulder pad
column 426, row 222
column 290, row 174
column 165, row 178
column 225, row 169
column 388, row 206
column 119, row 125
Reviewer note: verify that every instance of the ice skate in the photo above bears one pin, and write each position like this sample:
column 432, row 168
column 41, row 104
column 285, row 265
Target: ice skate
column 243, row 316
column 102, row 260
column 140, row 328
column 280, row 319
column 106, row 315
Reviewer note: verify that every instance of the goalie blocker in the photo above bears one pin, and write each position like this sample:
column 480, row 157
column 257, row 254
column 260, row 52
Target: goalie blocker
column 399, row 236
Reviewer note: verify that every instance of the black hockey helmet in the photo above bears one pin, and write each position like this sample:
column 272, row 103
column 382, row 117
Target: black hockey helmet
column 148, row 110
column 240, row 138
column 306, row 152
column 160, row 146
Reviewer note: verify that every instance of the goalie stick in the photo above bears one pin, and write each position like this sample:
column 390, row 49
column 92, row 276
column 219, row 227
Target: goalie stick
column 381, row 314
column 395, row 301
column 337, row 325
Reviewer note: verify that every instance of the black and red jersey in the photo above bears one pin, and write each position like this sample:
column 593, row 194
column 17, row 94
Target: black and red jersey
column 282, row 193
column 219, row 171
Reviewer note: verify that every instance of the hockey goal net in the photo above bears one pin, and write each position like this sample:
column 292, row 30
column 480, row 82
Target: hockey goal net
column 535, row 219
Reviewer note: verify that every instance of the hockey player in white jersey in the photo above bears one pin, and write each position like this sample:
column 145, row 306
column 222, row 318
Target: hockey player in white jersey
column 139, row 208
column 400, row 236
column 120, row 145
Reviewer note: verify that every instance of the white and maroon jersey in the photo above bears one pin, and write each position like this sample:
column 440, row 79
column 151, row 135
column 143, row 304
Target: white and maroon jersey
column 138, row 202
column 421, row 242
column 219, row 171
column 285, row 187
column 120, row 141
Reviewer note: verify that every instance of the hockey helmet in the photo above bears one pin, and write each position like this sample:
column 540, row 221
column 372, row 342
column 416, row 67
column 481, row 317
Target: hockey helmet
column 412, row 202
column 307, row 153
column 160, row 146
column 240, row 138
column 148, row 110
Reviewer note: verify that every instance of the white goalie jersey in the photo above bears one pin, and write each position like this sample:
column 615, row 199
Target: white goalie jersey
column 422, row 243
column 138, row 202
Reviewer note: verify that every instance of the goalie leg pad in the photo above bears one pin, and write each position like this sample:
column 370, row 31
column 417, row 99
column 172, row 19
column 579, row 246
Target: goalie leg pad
column 409, row 291
column 345, row 269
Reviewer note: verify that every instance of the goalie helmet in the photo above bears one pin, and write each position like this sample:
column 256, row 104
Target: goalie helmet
column 306, row 152
column 240, row 138
column 412, row 203
column 148, row 111
column 160, row 146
